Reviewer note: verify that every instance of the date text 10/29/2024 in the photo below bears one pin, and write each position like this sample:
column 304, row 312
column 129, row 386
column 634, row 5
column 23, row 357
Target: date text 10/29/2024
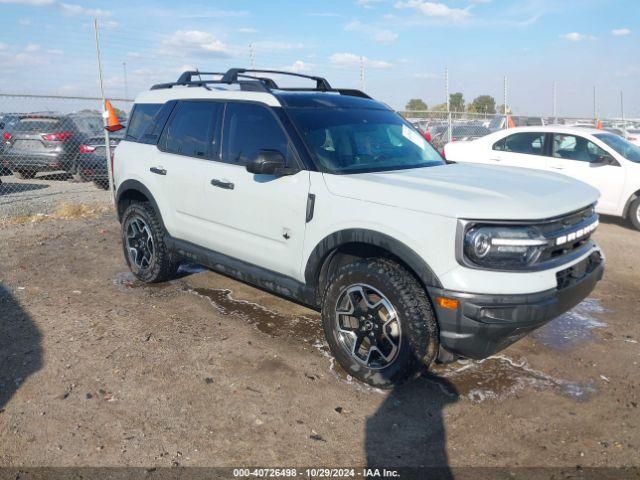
column 315, row 473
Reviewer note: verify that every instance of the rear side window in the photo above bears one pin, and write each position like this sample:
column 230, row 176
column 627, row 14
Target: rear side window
column 190, row 130
column 141, row 118
column 89, row 125
column 530, row 143
column 249, row 128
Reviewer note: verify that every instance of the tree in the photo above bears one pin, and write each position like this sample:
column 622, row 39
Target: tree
column 416, row 104
column 441, row 107
column 456, row 102
column 500, row 109
column 483, row 104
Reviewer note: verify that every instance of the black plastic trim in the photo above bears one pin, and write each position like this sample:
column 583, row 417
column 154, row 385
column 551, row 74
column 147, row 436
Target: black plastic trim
column 135, row 185
column 368, row 237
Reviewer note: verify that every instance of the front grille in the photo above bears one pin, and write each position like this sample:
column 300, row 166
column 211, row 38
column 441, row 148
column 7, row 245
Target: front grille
column 567, row 234
column 575, row 273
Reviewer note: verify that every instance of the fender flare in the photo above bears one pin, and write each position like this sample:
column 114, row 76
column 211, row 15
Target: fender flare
column 369, row 237
column 135, row 185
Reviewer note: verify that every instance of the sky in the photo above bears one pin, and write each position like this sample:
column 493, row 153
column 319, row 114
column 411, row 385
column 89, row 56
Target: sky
column 404, row 47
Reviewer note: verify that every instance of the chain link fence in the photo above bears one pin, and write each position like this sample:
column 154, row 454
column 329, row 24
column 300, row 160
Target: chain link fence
column 53, row 152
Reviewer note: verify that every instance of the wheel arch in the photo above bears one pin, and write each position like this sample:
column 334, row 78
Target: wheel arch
column 134, row 190
column 630, row 200
column 342, row 246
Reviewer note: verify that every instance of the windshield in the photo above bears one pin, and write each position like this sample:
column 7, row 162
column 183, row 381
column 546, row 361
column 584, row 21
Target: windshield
column 623, row 147
column 362, row 140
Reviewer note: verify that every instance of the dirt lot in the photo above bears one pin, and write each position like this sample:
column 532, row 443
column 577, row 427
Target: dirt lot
column 96, row 370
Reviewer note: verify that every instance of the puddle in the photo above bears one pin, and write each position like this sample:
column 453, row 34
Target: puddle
column 267, row 321
column 573, row 328
column 499, row 377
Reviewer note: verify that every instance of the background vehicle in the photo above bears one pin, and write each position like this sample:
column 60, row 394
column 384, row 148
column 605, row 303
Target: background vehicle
column 599, row 158
column 499, row 122
column 331, row 199
column 7, row 122
column 92, row 159
column 48, row 142
column 459, row 133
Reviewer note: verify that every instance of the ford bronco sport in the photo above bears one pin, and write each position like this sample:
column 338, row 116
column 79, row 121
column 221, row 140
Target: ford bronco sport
column 329, row 198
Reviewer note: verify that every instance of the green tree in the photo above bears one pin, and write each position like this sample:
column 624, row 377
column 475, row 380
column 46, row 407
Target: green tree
column 456, row 102
column 441, row 107
column 483, row 104
column 416, row 104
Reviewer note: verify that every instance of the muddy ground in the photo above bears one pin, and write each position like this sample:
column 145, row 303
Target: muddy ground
column 96, row 370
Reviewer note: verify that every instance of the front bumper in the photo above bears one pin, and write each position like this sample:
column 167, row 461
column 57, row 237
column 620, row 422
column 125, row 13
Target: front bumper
column 482, row 325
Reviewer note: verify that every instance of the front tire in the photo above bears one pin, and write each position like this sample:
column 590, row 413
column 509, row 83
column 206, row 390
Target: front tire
column 145, row 251
column 634, row 213
column 379, row 322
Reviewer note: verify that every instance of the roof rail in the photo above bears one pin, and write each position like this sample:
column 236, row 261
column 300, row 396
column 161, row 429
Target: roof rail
column 255, row 83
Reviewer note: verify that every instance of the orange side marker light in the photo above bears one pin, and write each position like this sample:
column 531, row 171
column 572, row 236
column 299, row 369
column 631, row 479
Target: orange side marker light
column 448, row 303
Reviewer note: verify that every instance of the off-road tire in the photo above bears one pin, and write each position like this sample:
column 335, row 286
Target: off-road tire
column 163, row 265
column 419, row 330
column 634, row 213
column 24, row 174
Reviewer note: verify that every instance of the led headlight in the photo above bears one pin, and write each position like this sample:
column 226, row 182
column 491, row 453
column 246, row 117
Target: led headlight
column 503, row 247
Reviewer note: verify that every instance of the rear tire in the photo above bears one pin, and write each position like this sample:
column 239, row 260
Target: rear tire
column 101, row 184
column 24, row 174
column 145, row 251
column 379, row 322
column 634, row 213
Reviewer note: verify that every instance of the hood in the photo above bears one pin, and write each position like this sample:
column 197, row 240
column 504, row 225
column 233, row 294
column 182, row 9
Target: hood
column 469, row 191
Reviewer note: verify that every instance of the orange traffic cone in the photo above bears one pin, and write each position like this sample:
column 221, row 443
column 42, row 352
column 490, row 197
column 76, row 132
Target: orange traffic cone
column 599, row 125
column 113, row 124
column 510, row 122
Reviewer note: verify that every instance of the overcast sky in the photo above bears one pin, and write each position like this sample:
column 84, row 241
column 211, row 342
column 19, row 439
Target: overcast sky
column 405, row 45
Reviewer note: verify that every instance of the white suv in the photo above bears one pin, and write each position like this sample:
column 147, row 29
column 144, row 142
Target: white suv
column 602, row 159
column 329, row 198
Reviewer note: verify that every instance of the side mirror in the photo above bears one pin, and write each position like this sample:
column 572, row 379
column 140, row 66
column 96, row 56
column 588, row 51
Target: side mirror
column 606, row 160
column 270, row 162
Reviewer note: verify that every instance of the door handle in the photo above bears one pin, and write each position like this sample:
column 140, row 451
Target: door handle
column 222, row 184
column 495, row 159
column 158, row 170
column 557, row 167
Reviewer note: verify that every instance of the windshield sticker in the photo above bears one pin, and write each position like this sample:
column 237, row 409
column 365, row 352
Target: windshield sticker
column 412, row 136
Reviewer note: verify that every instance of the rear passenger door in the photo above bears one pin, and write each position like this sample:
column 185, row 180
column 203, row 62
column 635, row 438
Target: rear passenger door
column 521, row 149
column 256, row 218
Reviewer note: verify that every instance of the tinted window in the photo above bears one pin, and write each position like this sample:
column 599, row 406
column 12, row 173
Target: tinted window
column 37, row 124
column 190, row 130
column 141, row 117
column 530, row 143
column 89, row 125
column 248, row 129
column 573, row 147
column 627, row 149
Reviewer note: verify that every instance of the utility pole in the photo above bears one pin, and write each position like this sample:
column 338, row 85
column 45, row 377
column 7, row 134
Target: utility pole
column 555, row 102
column 107, row 143
column 622, row 109
column 446, row 92
column 595, row 106
column 504, row 99
column 252, row 56
column 362, row 73
column 126, row 87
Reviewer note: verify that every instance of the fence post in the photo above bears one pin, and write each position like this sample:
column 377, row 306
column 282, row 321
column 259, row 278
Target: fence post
column 107, row 142
column 446, row 89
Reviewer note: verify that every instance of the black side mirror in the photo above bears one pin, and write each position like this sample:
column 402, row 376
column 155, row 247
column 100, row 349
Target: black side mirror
column 270, row 162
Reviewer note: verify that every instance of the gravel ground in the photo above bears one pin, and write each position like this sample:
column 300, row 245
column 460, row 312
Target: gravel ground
column 98, row 370
column 43, row 194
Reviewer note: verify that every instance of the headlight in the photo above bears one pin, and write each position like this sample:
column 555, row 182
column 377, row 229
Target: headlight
column 503, row 247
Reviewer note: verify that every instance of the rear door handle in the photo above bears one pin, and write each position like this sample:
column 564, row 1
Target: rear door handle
column 557, row 167
column 222, row 184
column 496, row 159
column 158, row 170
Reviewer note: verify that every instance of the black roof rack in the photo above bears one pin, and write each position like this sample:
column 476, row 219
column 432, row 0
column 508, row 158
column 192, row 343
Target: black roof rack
column 246, row 81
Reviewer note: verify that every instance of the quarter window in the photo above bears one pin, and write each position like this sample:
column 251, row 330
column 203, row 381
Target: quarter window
column 248, row 129
column 190, row 130
column 530, row 143
column 573, row 147
column 141, row 118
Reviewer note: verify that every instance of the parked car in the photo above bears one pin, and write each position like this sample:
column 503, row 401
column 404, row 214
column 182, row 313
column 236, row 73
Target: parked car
column 459, row 133
column 602, row 159
column 329, row 198
column 92, row 159
column 633, row 136
column 7, row 122
column 48, row 142
column 499, row 122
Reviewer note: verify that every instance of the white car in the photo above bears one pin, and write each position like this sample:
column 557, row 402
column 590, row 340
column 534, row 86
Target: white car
column 602, row 159
column 329, row 198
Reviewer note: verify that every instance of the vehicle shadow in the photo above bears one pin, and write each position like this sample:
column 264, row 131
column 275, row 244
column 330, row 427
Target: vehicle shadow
column 611, row 220
column 20, row 346
column 60, row 176
column 7, row 188
column 408, row 431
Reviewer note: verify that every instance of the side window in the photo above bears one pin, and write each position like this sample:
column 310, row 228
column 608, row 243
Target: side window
column 499, row 145
column 573, row 147
column 190, row 130
column 141, row 118
column 249, row 128
column 530, row 143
